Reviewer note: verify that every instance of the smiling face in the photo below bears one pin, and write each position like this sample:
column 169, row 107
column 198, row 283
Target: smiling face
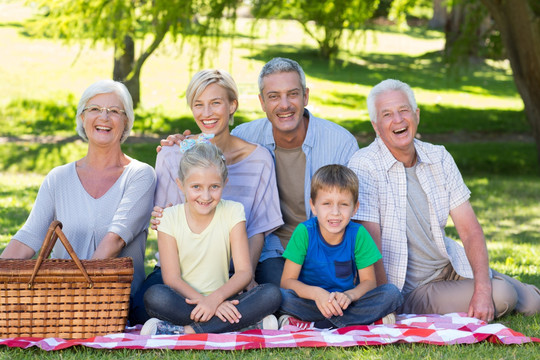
column 283, row 102
column 202, row 188
column 396, row 123
column 334, row 208
column 213, row 109
column 103, row 127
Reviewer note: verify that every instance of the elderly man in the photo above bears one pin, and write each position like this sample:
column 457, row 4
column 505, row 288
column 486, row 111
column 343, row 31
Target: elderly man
column 407, row 190
column 300, row 144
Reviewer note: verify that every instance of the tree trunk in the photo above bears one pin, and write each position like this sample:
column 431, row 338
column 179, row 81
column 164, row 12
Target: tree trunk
column 124, row 61
column 465, row 30
column 438, row 20
column 520, row 31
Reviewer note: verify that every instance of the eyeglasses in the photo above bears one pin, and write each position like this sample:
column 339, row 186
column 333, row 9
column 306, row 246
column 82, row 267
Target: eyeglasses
column 113, row 111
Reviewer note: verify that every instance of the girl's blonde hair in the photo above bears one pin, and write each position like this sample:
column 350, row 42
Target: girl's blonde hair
column 202, row 155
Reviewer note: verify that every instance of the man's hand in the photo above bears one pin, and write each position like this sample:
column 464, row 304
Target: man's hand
column 252, row 285
column 173, row 139
column 481, row 305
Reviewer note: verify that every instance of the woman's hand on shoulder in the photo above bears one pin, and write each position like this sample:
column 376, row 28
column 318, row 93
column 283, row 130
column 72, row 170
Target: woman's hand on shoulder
column 173, row 139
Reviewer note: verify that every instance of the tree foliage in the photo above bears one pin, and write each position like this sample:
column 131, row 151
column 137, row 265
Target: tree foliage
column 122, row 23
column 325, row 21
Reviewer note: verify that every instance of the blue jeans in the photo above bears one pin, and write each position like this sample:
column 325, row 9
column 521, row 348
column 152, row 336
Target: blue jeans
column 269, row 271
column 164, row 303
column 372, row 306
column 137, row 314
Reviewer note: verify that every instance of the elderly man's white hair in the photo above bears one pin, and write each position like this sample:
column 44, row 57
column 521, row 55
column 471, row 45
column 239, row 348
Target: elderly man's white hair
column 384, row 86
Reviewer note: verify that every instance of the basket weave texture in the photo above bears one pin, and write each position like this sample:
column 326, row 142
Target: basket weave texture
column 63, row 298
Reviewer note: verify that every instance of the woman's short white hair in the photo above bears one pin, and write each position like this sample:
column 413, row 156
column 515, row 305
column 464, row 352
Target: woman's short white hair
column 384, row 86
column 106, row 87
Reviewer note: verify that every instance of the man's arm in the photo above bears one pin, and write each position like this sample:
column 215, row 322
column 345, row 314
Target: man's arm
column 374, row 230
column 472, row 237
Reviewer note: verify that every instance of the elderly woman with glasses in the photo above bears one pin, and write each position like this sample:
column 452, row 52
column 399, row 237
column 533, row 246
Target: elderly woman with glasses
column 103, row 200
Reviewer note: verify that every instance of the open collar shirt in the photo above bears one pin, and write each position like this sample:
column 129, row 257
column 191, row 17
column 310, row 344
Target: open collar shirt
column 383, row 200
column 325, row 143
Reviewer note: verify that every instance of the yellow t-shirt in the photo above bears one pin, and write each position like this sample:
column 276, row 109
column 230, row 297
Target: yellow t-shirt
column 205, row 257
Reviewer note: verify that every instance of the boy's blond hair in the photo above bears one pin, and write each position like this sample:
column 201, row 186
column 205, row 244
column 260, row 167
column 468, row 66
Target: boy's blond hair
column 334, row 177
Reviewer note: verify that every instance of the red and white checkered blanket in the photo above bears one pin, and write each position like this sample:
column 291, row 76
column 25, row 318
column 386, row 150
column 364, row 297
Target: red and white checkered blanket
column 429, row 329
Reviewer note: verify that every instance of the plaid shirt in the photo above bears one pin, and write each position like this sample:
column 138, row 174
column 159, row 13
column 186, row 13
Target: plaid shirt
column 383, row 200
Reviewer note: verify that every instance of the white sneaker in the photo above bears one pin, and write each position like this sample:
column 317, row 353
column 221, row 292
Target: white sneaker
column 155, row 326
column 269, row 322
column 389, row 319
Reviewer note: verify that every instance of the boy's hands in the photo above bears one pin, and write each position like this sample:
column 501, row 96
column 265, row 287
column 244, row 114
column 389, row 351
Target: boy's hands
column 342, row 298
column 327, row 304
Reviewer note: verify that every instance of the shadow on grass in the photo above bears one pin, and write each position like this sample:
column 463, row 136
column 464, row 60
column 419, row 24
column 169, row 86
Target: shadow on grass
column 427, row 71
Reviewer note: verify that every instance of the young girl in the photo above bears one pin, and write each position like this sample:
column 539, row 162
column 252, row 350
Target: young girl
column 196, row 240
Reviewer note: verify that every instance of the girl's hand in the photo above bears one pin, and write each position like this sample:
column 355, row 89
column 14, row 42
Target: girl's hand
column 227, row 311
column 205, row 309
column 326, row 304
column 342, row 298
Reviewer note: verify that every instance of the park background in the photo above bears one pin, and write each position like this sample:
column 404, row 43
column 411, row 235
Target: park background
column 468, row 101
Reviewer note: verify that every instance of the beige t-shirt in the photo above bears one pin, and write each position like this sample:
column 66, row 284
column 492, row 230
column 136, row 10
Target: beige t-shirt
column 205, row 257
column 290, row 173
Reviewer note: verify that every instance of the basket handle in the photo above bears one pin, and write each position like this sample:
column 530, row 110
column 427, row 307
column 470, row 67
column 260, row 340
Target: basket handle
column 53, row 233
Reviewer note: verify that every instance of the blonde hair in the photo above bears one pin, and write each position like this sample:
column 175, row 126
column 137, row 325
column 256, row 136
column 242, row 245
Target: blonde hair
column 334, row 176
column 202, row 155
column 201, row 80
column 106, row 87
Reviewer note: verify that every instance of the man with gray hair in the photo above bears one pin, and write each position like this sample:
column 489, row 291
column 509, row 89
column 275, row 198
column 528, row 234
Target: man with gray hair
column 300, row 144
column 408, row 188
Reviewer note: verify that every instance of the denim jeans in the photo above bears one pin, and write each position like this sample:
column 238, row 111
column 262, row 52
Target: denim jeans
column 138, row 314
column 372, row 306
column 164, row 303
column 269, row 271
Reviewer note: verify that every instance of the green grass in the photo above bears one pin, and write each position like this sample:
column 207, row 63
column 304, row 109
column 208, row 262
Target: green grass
column 43, row 79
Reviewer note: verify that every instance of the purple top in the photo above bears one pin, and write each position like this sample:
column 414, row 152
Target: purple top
column 252, row 182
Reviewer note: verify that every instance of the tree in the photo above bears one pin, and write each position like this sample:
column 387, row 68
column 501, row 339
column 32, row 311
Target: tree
column 325, row 20
column 438, row 20
column 519, row 24
column 468, row 32
column 122, row 23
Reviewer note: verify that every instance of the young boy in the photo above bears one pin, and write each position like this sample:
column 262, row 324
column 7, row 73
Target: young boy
column 328, row 279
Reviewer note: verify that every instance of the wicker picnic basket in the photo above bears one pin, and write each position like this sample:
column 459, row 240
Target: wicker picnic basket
column 63, row 298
